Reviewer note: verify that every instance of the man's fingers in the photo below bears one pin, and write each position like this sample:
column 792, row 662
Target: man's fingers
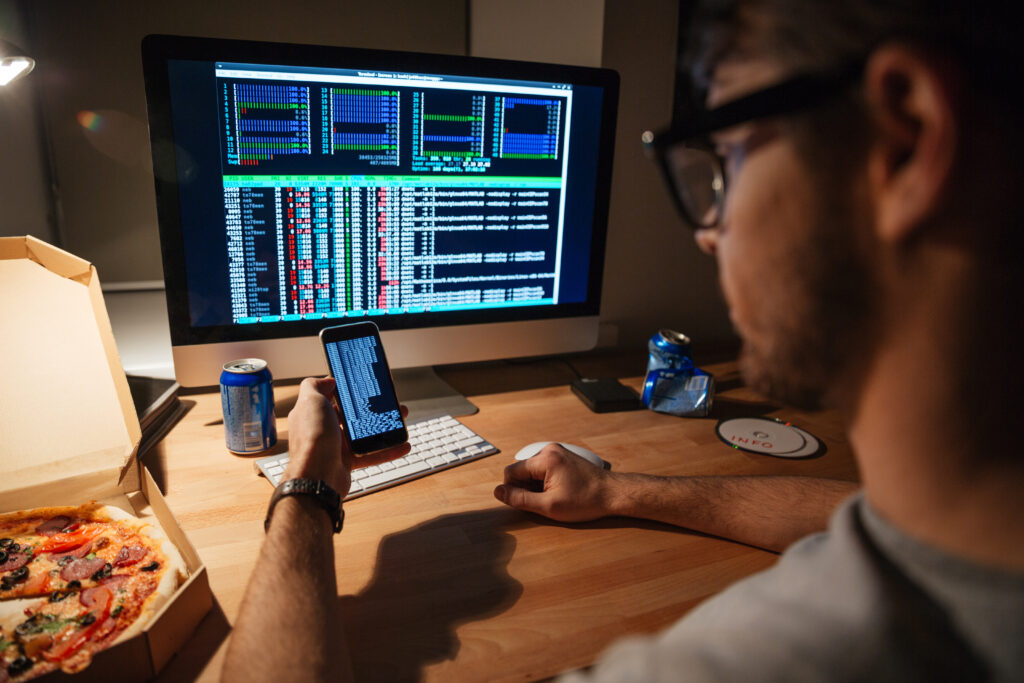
column 322, row 385
column 518, row 497
column 520, row 473
column 383, row 456
column 315, row 387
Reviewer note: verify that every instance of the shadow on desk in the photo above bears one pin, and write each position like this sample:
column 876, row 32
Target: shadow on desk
column 151, row 454
column 193, row 657
column 427, row 581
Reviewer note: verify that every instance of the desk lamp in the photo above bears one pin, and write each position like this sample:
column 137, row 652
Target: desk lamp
column 13, row 63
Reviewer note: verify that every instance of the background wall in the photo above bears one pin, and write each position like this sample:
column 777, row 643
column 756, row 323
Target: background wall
column 24, row 192
column 654, row 274
column 90, row 75
column 558, row 31
column 93, row 110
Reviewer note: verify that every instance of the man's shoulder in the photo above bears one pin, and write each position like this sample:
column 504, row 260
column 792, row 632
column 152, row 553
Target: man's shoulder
column 832, row 608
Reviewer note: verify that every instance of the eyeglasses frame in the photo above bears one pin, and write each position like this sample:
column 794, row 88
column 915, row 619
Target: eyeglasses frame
column 787, row 97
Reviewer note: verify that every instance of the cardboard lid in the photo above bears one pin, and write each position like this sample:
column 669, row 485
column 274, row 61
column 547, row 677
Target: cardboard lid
column 65, row 406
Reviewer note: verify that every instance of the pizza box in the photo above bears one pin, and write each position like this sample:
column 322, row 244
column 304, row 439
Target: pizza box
column 69, row 432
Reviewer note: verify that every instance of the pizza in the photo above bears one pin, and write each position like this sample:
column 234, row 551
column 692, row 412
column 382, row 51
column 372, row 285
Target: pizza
column 74, row 581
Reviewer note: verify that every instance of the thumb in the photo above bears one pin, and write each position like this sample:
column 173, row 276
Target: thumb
column 518, row 497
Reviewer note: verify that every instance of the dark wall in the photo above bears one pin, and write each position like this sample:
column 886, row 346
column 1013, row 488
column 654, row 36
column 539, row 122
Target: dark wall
column 654, row 274
column 90, row 80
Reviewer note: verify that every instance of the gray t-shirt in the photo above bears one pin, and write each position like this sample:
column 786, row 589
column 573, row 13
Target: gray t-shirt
column 862, row 602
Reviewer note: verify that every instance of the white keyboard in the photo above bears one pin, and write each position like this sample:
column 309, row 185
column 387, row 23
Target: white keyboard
column 437, row 444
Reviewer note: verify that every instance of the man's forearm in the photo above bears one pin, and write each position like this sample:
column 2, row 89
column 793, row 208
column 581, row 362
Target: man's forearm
column 288, row 627
column 767, row 512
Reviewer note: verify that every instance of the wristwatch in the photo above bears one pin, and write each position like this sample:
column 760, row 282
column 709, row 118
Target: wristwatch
column 324, row 495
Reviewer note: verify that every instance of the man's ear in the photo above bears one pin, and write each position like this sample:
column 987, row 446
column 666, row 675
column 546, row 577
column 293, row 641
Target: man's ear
column 912, row 98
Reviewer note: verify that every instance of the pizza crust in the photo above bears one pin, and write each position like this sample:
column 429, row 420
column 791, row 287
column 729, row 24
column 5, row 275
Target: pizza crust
column 14, row 610
column 173, row 576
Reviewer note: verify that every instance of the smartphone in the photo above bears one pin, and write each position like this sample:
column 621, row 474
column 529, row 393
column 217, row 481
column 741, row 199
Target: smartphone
column 366, row 393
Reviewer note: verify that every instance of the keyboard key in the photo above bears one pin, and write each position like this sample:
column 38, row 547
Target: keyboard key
column 374, row 480
column 411, row 469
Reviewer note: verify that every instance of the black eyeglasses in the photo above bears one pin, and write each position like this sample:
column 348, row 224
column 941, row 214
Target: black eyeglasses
column 695, row 173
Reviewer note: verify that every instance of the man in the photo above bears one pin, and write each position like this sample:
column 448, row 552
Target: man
column 867, row 231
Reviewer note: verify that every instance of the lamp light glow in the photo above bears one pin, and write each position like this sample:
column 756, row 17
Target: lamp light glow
column 14, row 63
column 12, row 68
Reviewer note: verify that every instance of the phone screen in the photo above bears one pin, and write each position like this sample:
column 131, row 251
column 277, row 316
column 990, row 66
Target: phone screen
column 366, row 393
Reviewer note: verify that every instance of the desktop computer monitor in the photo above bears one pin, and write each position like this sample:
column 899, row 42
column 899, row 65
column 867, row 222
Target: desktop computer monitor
column 460, row 203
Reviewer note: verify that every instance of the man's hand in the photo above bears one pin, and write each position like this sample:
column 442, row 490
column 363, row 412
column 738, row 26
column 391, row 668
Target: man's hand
column 558, row 484
column 316, row 447
column 315, row 444
column 767, row 512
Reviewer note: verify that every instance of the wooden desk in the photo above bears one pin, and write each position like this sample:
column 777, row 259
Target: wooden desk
column 439, row 581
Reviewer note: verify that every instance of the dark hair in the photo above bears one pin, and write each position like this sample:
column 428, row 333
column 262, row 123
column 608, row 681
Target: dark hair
column 811, row 35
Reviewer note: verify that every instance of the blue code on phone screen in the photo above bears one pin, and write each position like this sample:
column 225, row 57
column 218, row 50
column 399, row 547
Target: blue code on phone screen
column 360, row 373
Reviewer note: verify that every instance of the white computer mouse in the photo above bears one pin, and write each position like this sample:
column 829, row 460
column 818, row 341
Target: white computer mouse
column 530, row 450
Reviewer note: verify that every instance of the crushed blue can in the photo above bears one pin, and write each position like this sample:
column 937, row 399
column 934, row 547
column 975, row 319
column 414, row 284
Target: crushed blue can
column 674, row 385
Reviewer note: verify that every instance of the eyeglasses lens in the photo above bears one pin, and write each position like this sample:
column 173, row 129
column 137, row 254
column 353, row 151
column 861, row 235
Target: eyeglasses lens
column 698, row 181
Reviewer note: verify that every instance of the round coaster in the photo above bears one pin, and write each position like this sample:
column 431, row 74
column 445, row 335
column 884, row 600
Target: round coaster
column 768, row 436
column 810, row 448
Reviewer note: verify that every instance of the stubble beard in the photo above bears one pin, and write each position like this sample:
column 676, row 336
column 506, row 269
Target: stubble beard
column 823, row 331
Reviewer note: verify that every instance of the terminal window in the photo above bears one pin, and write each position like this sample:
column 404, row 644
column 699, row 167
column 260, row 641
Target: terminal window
column 350, row 193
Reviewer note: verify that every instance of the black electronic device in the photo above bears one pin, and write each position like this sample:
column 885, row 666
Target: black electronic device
column 605, row 395
column 460, row 203
column 366, row 393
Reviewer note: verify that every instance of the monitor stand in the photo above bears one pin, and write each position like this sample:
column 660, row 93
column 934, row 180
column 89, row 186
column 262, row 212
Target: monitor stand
column 427, row 395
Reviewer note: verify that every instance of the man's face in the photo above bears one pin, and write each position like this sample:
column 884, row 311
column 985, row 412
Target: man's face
column 792, row 267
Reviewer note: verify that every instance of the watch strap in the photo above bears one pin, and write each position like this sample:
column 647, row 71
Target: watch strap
column 318, row 490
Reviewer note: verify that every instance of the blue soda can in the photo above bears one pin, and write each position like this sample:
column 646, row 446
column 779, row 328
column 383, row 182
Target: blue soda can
column 247, row 398
column 674, row 385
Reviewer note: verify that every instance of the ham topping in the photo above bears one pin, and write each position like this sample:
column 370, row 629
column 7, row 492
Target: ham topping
column 76, row 570
column 90, row 596
column 53, row 526
column 114, row 581
column 130, row 554
column 14, row 561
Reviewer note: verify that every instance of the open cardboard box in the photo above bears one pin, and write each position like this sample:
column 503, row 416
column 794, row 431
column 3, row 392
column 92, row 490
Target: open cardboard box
column 69, row 432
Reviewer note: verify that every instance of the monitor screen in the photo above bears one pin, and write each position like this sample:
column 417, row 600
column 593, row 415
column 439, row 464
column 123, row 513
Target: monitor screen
column 302, row 186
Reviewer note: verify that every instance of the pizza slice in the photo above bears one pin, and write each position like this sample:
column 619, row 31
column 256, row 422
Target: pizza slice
column 73, row 581
column 62, row 549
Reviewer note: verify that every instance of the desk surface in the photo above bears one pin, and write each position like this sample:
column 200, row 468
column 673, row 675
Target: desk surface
column 439, row 581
